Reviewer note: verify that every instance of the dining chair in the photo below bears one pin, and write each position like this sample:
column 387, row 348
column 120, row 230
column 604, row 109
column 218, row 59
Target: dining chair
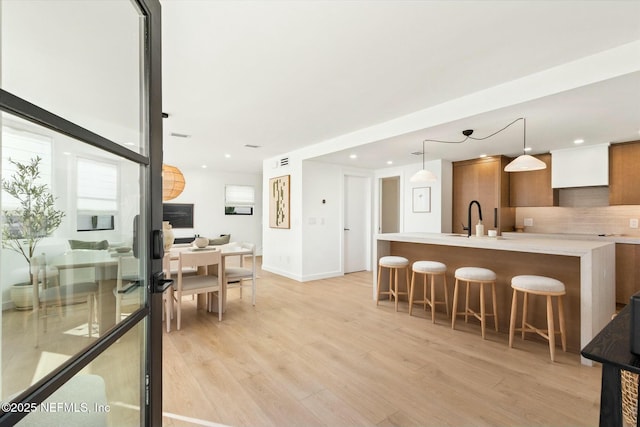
column 235, row 276
column 198, row 284
column 51, row 294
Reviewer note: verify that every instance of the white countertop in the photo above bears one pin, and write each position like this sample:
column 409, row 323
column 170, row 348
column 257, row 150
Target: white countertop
column 541, row 245
column 616, row 238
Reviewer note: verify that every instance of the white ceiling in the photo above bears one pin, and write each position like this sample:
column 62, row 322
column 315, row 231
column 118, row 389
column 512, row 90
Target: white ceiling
column 288, row 74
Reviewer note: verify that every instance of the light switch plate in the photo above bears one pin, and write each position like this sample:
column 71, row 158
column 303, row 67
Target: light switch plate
column 633, row 223
column 528, row 222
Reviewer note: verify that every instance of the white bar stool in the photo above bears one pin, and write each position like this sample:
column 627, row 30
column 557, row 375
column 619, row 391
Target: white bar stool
column 426, row 269
column 393, row 263
column 481, row 276
column 545, row 286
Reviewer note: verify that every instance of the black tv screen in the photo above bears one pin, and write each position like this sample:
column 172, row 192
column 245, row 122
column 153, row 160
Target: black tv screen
column 179, row 215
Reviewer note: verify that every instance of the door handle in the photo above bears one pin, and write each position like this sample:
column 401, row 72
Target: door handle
column 160, row 284
column 132, row 285
column 346, row 229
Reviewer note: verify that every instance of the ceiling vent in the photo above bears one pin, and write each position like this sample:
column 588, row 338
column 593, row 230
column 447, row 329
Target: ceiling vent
column 417, row 153
column 251, row 146
column 284, row 161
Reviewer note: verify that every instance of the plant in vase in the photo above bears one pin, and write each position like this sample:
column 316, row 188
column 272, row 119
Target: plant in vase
column 35, row 217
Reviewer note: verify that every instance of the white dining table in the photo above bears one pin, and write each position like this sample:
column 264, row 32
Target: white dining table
column 226, row 251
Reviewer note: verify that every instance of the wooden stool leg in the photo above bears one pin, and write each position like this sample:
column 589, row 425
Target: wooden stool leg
column 512, row 321
column 524, row 312
column 379, row 280
column 396, row 288
column 446, row 294
column 406, row 274
column 466, row 305
column 433, row 299
column 454, row 307
column 551, row 330
column 495, row 301
column 483, row 318
column 390, row 282
column 424, row 292
column 563, row 336
column 413, row 286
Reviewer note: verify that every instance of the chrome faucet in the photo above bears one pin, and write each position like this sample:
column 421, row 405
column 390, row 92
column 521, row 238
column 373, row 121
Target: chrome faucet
column 468, row 228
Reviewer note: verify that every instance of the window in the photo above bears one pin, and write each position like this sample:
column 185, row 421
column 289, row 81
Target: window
column 22, row 146
column 239, row 199
column 97, row 186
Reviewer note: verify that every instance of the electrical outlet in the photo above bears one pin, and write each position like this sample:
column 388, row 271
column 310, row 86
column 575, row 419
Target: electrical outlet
column 528, row 222
column 633, row 223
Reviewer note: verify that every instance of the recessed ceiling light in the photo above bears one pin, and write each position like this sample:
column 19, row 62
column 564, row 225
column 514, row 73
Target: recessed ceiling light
column 389, row 162
column 227, row 155
column 66, row 153
column 129, row 144
column 578, row 141
column 527, row 149
column 353, row 156
column 204, row 166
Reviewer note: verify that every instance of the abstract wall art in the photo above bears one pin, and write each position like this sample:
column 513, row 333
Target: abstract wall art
column 279, row 202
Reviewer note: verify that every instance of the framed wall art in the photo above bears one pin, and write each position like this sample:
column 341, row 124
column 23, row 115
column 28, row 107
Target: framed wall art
column 422, row 199
column 279, row 192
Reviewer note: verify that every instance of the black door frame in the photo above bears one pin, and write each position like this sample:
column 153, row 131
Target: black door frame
column 152, row 81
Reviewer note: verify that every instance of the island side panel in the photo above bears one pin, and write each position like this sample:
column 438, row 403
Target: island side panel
column 507, row 264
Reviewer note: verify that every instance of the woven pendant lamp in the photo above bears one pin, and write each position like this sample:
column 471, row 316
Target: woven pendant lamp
column 172, row 182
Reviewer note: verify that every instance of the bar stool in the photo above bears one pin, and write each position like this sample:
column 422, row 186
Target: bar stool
column 545, row 286
column 426, row 269
column 393, row 263
column 480, row 276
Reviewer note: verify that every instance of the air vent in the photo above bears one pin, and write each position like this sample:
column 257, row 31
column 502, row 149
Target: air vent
column 417, row 153
column 251, row 146
column 284, row 161
column 180, row 135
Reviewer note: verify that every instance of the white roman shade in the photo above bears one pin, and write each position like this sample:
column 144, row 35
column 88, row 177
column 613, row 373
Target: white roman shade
column 239, row 195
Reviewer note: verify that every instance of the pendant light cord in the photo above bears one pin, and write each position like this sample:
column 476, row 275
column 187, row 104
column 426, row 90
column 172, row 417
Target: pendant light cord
column 476, row 139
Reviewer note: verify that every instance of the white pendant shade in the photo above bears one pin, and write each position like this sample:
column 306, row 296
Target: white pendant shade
column 525, row 163
column 423, row 176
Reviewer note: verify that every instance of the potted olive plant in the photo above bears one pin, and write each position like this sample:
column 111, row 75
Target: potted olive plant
column 34, row 218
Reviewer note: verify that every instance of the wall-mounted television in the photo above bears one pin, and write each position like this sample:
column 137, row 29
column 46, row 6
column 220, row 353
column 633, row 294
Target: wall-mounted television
column 179, row 215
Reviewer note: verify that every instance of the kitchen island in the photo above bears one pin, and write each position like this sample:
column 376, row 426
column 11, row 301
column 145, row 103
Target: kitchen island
column 587, row 268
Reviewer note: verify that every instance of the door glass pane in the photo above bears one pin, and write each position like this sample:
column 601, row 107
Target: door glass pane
column 62, row 267
column 104, row 393
column 78, row 59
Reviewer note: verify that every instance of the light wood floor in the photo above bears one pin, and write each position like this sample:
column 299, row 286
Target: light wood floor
column 322, row 354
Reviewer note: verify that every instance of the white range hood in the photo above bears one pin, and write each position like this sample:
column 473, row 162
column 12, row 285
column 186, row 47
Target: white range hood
column 586, row 166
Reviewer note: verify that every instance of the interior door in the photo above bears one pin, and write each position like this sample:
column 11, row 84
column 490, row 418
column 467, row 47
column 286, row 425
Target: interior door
column 356, row 210
column 80, row 118
column 389, row 205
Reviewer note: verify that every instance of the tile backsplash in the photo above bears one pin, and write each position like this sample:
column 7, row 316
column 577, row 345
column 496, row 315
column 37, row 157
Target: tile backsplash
column 580, row 220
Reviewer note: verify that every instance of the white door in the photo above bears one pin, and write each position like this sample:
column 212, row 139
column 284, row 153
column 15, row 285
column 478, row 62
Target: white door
column 356, row 220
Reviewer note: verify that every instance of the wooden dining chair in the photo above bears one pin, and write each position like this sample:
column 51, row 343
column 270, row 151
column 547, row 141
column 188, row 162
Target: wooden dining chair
column 198, row 284
column 48, row 295
column 235, row 276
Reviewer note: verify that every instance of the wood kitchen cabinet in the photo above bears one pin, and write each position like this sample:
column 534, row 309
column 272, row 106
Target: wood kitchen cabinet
column 533, row 188
column 627, row 271
column 624, row 173
column 486, row 181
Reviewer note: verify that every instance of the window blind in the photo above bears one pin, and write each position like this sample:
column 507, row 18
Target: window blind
column 239, row 195
column 97, row 186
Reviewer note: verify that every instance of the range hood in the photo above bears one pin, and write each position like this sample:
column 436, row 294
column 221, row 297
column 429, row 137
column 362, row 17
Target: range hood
column 586, row 166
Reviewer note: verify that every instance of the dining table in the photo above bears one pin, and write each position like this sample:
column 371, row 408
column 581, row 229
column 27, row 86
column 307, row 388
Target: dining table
column 226, row 251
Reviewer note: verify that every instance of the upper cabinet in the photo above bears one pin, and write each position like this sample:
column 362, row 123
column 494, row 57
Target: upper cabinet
column 533, row 188
column 624, row 175
column 486, row 181
column 580, row 167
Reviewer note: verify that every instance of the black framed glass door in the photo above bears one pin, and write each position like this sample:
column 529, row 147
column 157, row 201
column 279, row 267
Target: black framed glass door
column 81, row 145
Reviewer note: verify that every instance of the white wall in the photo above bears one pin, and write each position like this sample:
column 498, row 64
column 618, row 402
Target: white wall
column 205, row 189
column 436, row 221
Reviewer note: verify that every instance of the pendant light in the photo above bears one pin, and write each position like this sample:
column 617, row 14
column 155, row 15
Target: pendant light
column 525, row 162
column 172, row 182
column 423, row 175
